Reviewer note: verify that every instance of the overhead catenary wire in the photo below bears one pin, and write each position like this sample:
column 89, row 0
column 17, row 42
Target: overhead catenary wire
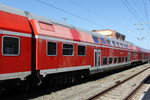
column 50, row 5
column 70, row 13
column 145, row 10
column 137, row 6
column 133, row 12
column 130, row 8
column 80, row 6
column 94, row 13
column 142, row 7
column 67, row 12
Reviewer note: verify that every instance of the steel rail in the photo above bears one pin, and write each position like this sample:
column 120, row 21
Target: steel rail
column 136, row 89
column 118, row 83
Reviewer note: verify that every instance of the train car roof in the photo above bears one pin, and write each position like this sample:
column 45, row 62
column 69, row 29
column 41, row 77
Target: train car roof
column 47, row 20
column 12, row 10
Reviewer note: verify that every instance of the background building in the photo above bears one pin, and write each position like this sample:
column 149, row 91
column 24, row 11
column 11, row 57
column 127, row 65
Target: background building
column 111, row 34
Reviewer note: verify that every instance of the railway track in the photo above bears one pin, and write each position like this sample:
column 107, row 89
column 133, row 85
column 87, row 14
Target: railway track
column 125, row 89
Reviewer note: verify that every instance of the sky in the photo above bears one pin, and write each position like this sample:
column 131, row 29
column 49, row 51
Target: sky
column 128, row 17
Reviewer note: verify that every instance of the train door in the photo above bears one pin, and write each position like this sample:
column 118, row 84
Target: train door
column 128, row 56
column 97, row 54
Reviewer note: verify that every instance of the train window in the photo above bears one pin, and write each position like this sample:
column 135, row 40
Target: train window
column 122, row 59
column 104, row 60
column 119, row 61
column 81, row 50
column 126, row 59
column 51, row 48
column 95, row 39
column 113, row 42
column 124, row 46
column 11, row 46
column 121, row 45
column 118, row 44
column 67, row 49
column 103, row 41
column 134, row 53
column 129, row 55
column 110, row 60
column 115, row 60
column 108, row 41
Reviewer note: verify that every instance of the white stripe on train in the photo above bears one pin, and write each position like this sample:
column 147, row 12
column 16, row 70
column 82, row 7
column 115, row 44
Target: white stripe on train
column 83, row 43
column 15, row 33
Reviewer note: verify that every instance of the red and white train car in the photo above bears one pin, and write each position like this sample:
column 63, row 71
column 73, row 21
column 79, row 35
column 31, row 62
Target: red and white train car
column 36, row 46
column 15, row 44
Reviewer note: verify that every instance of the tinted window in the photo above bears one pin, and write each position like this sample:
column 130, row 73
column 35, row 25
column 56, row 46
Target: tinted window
column 103, row 41
column 108, row 41
column 67, row 49
column 119, row 60
column 95, row 39
column 122, row 59
column 114, row 43
column 126, row 59
column 51, row 48
column 110, row 60
column 10, row 45
column 126, row 46
column 117, row 44
column 115, row 60
column 81, row 50
column 104, row 61
column 121, row 45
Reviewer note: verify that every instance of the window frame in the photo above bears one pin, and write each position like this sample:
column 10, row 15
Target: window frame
column 47, row 48
column 103, row 61
column 121, row 44
column 63, row 47
column 97, row 41
column 111, row 61
column 101, row 38
column 116, row 60
column 119, row 59
column 77, row 50
column 113, row 43
column 126, row 59
column 18, row 46
column 118, row 45
column 109, row 42
column 123, row 59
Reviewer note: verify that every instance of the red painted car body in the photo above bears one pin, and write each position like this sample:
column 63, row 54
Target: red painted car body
column 34, row 33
